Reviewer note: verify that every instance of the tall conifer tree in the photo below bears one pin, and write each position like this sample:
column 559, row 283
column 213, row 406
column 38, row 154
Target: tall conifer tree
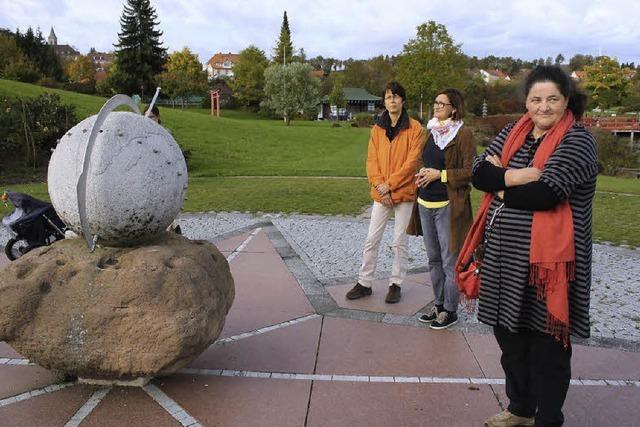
column 284, row 47
column 139, row 52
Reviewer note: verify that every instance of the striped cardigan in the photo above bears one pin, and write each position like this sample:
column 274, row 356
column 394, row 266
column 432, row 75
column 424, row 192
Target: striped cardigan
column 506, row 298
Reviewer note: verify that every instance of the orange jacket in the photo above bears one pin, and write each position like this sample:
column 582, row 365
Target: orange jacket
column 395, row 163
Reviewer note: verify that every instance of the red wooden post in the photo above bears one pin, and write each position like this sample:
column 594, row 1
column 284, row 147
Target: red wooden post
column 215, row 102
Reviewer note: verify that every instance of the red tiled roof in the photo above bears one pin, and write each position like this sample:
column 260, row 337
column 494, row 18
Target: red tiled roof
column 498, row 73
column 222, row 57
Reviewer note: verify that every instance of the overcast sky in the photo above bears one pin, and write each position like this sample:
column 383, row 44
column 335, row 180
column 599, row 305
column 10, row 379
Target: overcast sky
column 351, row 28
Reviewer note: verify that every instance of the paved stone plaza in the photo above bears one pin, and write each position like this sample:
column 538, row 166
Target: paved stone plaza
column 294, row 352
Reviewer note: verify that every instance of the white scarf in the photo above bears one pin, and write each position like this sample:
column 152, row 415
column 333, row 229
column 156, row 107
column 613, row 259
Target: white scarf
column 444, row 132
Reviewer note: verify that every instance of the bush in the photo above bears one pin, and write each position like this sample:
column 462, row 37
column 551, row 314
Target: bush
column 104, row 88
column 88, row 87
column 614, row 153
column 494, row 124
column 31, row 127
column 22, row 71
column 49, row 82
column 363, row 120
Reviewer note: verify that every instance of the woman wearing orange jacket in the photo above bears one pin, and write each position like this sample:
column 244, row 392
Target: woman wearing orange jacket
column 392, row 160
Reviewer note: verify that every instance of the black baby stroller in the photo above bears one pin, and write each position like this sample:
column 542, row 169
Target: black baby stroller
column 32, row 223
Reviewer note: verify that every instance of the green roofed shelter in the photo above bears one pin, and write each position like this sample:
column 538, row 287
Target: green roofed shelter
column 358, row 101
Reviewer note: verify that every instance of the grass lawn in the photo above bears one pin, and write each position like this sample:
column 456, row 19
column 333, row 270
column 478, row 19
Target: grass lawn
column 243, row 144
column 618, row 185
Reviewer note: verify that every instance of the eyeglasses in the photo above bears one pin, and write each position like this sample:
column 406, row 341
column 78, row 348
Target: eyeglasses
column 390, row 97
column 439, row 104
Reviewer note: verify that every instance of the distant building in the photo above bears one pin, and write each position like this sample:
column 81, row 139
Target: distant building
column 103, row 60
column 492, row 76
column 221, row 65
column 64, row 51
column 578, row 75
column 358, row 101
column 319, row 73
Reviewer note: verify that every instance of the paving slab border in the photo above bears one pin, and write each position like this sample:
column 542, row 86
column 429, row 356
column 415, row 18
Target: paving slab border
column 324, row 304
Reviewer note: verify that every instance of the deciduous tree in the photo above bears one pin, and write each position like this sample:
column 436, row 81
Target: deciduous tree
column 14, row 65
column 430, row 62
column 291, row 89
column 184, row 76
column 81, row 69
column 248, row 77
column 336, row 97
column 606, row 82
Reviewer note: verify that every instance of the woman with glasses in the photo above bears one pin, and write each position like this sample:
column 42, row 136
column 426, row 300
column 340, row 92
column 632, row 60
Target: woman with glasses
column 444, row 204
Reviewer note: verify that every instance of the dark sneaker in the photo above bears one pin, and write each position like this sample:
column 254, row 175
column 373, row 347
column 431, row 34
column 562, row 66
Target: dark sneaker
column 432, row 315
column 393, row 295
column 358, row 291
column 444, row 320
column 507, row 419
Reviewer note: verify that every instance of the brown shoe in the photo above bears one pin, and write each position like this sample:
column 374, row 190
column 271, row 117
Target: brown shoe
column 507, row 419
column 359, row 291
column 393, row 295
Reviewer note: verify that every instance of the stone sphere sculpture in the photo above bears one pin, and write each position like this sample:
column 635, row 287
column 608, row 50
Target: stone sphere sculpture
column 133, row 300
column 136, row 179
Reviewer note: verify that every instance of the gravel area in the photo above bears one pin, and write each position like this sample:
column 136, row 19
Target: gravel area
column 332, row 246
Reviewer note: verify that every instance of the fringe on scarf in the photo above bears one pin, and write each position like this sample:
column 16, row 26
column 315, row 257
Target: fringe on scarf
column 558, row 329
column 544, row 276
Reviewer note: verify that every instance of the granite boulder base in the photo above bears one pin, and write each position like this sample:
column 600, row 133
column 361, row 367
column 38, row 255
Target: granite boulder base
column 116, row 313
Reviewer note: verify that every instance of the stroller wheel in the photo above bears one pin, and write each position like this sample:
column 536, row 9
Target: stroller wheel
column 15, row 248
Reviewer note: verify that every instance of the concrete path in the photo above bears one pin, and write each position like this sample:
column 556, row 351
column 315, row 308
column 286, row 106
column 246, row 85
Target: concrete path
column 294, row 352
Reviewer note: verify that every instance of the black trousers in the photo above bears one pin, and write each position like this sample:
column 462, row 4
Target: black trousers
column 538, row 371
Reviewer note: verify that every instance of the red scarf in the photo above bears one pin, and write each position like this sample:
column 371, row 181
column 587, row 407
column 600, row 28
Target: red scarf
column 552, row 251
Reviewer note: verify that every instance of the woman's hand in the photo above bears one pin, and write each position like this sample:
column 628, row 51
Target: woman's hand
column 513, row 177
column 494, row 160
column 386, row 200
column 382, row 189
column 426, row 176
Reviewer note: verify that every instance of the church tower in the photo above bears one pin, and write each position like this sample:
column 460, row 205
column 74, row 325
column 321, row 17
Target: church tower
column 52, row 39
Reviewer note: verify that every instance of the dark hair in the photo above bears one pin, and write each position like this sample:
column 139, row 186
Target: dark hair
column 154, row 110
column 577, row 101
column 457, row 101
column 396, row 89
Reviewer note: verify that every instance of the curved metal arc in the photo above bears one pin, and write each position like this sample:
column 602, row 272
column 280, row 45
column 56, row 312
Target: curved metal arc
column 81, row 186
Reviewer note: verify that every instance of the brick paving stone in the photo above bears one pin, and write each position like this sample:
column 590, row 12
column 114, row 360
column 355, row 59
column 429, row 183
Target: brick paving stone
column 353, row 404
column 16, row 379
column 289, row 349
column 128, row 406
column 266, row 292
column 414, row 297
column 238, row 401
column 52, row 409
column 7, row 352
column 356, row 347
